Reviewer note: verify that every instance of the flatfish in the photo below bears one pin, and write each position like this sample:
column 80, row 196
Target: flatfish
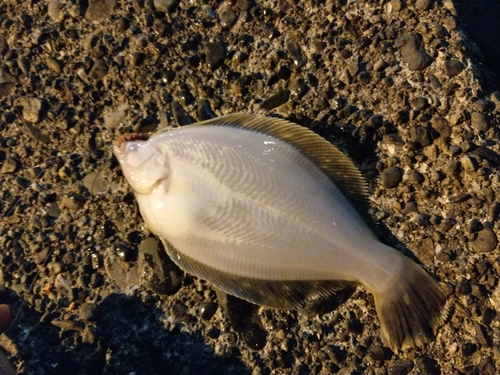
column 270, row 212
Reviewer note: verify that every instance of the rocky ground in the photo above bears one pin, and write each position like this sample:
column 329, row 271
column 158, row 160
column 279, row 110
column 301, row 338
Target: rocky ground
column 398, row 85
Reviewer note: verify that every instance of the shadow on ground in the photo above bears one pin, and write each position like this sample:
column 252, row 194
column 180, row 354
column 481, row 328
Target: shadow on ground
column 128, row 338
column 480, row 21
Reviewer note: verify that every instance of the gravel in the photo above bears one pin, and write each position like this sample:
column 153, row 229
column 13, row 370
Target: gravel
column 396, row 85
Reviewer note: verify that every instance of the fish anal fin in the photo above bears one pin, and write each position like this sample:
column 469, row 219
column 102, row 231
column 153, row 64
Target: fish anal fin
column 279, row 294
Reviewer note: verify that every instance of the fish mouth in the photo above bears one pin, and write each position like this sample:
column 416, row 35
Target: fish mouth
column 129, row 137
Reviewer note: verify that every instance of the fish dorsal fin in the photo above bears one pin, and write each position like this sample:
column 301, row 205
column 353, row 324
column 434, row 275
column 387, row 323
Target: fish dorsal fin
column 328, row 158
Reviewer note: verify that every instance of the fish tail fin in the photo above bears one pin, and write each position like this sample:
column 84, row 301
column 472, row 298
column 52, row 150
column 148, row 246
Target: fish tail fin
column 410, row 310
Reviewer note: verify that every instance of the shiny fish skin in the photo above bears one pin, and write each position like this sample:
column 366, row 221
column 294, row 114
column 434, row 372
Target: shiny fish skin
column 246, row 210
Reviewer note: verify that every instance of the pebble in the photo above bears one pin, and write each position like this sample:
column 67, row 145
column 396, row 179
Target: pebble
column 99, row 9
column 204, row 110
column 10, row 165
column 227, row 16
column 180, row 115
column 495, row 98
column 413, row 52
column 479, row 121
column 452, row 169
column 421, row 135
column 215, row 55
column 453, row 68
column 419, row 103
column 55, row 10
column 55, row 268
column 32, row 108
column 482, row 335
column 469, row 164
column 98, row 70
column 376, row 352
column 481, row 105
column 485, row 242
column 297, row 88
column 121, row 273
column 423, row 5
column 86, row 311
column 164, row 5
column 72, row 201
column 124, row 252
column 401, row 367
column 94, row 183
column 280, row 98
column 298, row 58
column 158, row 272
column 54, row 64
column 463, row 288
column 207, row 310
column 391, row 177
column 441, row 125
column 488, row 154
column 380, row 65
column 89, row 335
column 415, row 178
column 136, row 59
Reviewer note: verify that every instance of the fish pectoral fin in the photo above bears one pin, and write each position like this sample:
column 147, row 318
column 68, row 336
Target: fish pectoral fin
column 411, row 310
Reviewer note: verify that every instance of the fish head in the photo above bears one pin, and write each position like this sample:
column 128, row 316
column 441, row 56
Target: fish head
column 144, row 166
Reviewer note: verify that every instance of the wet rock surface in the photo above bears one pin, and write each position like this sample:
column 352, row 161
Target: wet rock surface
column 395, row 84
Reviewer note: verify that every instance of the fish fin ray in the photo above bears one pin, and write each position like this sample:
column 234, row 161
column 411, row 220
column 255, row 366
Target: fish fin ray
column 328, row 158
column 411, row 310
column 279, row 294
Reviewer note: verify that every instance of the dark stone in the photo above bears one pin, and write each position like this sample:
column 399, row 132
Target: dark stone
column 376, row 352
column 419, row 103
column 215, row 55
column 453, row 68
column 401, row 367
column 391, row 177
column 86, row 311
column 463, row 288
column 207, row 310
column 204, row 110
column 99, row 9
column 421, row 135
column 157, row 270
column 452, row 169
column 480, row 121
column 488, row 154
column 485, row 241
column 434, row 82
column 164, row 5
column 255, row 337
column 99, row 70
column 227, row 16
column 124, row 252
column 413, row 52
column 296, row 54
column 280, row 98
column 244, row 319
column 441, row 125
column 423, row 4
column 180, row 115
